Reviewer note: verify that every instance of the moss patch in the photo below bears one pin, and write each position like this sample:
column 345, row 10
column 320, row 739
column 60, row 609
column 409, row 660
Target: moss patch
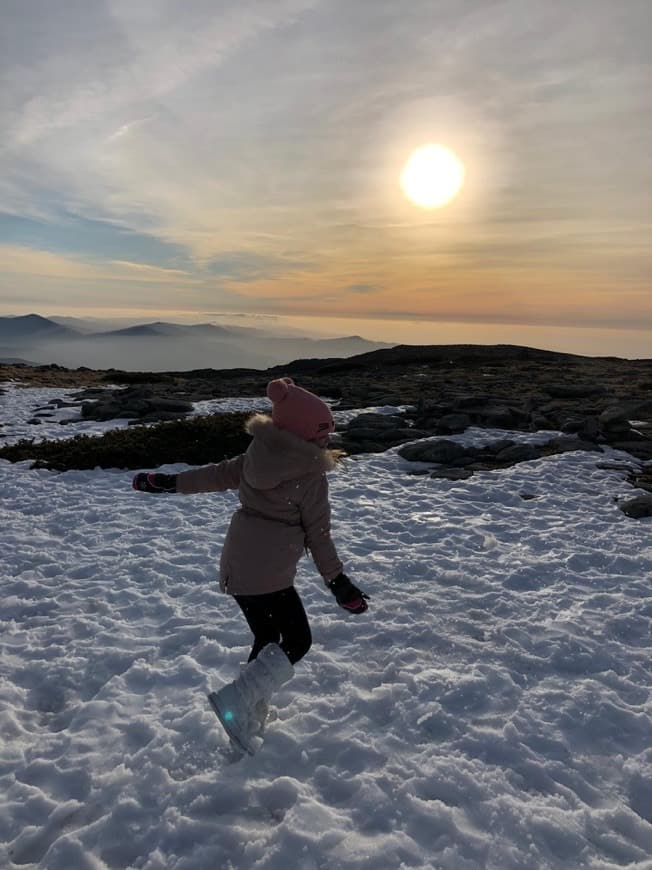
column 197, row 442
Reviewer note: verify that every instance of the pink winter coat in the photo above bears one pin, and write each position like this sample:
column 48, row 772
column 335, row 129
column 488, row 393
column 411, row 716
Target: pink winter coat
column 284, row 509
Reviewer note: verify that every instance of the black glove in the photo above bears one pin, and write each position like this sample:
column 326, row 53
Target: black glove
column 348, row 596
column 154, row 481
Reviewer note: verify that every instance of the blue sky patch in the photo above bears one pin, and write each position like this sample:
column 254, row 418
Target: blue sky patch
column 91, row 239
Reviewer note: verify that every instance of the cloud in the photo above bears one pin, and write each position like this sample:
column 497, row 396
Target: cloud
column 362, row 289
column 92, row 239
column 94, row 63
column 245, row 266
column 16, row 260
column 95, row 105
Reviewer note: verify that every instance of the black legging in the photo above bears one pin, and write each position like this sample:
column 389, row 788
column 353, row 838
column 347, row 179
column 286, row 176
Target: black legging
column 277, row 617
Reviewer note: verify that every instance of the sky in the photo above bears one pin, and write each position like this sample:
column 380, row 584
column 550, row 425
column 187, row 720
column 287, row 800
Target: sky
column 170, row 160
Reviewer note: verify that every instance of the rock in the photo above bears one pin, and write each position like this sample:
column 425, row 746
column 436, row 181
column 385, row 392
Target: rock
column 643, row 482
column 497, row 446
column 486, row 458
column 574, row 391
column 640, row 449
column 518, row 453
column 452, row 424
column 540, row 422
column 502, row 453
column 365, row 446
column 360, row 433
column 155, row 417
column 95, row 393
column 616, row 429
column 400, row 436
column 640, row 477
column 638, row 507
column 376, row 421
column 587, row 427
column 63, row 403
column 385, row 436
column 440, row 451
column 100, row 410
column 451, row 474
column 500, row 417
column 568, row 444
column 140, row 403
column 428, row 416
column 617, row 417
column 472, row 402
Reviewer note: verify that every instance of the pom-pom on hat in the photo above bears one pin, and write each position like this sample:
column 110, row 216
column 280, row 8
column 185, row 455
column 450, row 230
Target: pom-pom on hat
column 299, row 411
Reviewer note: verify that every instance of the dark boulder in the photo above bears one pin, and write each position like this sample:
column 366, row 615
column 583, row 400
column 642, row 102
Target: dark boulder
column 518, row 453
column 440, row 451
column 376, row 421
column 452, row 424
column 641, row 449
column 568, row 444
column 141, row 404
column 574, row 391
column 638, row 507
column 451, row 474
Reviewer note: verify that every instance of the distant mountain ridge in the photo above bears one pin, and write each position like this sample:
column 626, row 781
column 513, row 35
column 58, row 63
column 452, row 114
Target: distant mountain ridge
column 30, row 326
column 161, row 346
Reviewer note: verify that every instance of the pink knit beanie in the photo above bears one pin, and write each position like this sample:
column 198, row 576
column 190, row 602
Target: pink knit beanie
column 298, row 410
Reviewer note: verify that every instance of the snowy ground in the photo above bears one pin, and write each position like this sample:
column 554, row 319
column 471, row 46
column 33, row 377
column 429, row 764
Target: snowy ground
column 493, row 709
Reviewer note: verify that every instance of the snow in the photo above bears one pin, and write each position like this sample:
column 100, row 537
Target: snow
column 493, row 708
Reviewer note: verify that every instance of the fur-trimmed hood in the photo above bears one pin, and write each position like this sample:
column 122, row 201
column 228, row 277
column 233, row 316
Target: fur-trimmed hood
column 276, row 455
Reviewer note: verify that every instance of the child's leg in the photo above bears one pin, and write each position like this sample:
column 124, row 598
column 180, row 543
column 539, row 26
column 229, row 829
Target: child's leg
column 259, row 618
column 292, row 622
column 277, row 617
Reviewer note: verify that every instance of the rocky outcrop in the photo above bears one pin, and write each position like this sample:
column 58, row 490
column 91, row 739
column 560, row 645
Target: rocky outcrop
column 638, row 507
column 447, row 388
column 456, row 462
column 626, row 427
column 137, row 404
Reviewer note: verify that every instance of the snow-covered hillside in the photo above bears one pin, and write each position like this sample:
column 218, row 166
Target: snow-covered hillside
column 493, row 709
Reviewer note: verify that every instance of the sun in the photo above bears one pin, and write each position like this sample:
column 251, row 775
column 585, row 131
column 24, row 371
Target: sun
column 432, row 176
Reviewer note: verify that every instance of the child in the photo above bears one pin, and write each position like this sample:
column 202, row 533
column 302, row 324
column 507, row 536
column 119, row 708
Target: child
column 284, row 509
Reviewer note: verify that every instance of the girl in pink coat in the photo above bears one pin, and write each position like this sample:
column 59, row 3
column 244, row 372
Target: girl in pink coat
column 283, row 489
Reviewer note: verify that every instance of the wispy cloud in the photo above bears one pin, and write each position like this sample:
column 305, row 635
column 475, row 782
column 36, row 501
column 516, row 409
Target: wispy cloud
column 362, row 289
column 16, row 260
column 245, row 267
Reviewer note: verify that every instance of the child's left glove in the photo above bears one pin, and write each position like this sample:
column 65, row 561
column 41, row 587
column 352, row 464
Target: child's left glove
column 348, row 596
column 154, row 481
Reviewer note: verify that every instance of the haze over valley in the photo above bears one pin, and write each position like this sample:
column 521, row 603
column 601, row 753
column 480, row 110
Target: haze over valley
column 161, row 346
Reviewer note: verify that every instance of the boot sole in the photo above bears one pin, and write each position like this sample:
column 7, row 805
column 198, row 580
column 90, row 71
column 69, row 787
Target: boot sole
column 233, row 737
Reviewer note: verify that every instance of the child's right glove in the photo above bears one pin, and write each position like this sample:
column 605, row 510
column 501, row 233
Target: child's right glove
column 154, row 481
column 348, row 596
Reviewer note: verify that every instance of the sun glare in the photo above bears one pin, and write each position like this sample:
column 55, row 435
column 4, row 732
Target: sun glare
column 432, row 176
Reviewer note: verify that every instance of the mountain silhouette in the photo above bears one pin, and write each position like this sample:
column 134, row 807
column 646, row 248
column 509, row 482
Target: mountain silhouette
column 160, row 345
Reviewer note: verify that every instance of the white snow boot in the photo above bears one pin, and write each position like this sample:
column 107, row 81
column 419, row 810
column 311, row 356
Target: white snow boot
column 241, row 705
column 259, row 718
